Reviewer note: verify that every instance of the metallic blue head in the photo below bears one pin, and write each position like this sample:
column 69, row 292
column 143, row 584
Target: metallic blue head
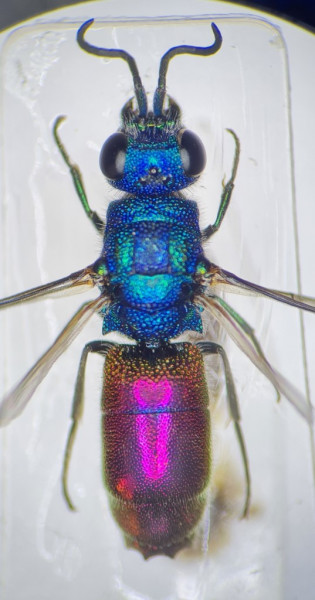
column 152, row 155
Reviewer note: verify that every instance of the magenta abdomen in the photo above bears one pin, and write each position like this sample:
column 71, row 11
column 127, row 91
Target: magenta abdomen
column 156, row 430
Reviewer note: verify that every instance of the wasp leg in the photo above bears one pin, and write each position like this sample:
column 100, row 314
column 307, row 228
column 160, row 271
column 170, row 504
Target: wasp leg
column 226, row 193
column 100, row 347
column 213, row 348
column 77, row 179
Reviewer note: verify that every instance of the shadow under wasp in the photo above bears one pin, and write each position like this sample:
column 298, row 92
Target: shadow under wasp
column 155, row 284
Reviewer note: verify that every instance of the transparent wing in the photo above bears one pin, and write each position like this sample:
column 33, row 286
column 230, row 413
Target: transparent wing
column 243, row 335
column 80, row 281
column 225, row 281
column 16, row 400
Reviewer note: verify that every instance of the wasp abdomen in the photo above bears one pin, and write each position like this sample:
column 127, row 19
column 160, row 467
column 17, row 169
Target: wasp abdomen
column 156, row 430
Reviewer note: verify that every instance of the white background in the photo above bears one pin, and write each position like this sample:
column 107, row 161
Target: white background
column 47, row 552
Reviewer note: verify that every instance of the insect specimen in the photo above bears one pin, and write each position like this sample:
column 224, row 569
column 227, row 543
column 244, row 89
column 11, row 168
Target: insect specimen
column 155, row 284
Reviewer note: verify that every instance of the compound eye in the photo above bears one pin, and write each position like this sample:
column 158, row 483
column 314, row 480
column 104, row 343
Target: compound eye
column 192, row 152
column 113, row 156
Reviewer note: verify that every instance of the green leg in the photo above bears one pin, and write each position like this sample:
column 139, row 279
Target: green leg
column 226, row 194
column 77, row 179
column 77, row 410
column 213, row 348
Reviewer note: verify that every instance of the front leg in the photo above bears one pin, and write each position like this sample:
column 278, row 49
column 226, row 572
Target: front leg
column 77, row 179
column 226, row 193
